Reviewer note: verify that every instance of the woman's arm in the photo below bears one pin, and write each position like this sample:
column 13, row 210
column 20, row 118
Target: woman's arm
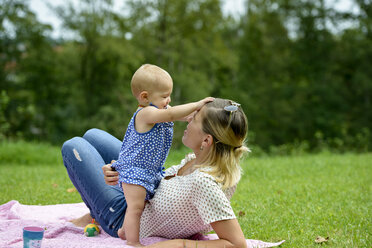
column 229, row 232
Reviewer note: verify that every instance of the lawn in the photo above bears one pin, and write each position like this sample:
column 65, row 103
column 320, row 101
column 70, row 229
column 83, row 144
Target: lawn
column 295, row 198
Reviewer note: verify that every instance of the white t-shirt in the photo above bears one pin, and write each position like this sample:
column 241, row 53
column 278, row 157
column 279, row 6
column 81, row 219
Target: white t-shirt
column 185, row 205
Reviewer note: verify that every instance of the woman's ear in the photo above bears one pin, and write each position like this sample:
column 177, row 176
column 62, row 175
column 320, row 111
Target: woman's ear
column 144, row 97
column 208, row 141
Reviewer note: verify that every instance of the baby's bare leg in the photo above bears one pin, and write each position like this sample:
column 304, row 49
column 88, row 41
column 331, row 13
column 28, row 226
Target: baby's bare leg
column 135, row 196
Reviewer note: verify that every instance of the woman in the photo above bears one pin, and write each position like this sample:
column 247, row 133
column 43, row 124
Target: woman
column 193, row 197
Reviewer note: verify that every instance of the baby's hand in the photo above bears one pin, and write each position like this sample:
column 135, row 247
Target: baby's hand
column 201, row 103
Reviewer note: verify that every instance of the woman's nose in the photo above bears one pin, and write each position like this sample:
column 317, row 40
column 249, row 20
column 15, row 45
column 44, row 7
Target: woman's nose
column 189, row 119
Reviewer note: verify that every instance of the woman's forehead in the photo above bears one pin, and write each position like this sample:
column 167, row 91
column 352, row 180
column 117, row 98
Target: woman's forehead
column 199, row 113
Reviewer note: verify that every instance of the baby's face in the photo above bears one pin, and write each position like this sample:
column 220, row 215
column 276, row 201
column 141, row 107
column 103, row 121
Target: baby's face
column 161, row 96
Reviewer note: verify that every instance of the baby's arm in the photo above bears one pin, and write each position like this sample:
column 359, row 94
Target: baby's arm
column 151, row 115
column 184, row 118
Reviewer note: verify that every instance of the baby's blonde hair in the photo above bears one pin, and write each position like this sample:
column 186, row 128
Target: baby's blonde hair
column 229, row 131
column 147, row 78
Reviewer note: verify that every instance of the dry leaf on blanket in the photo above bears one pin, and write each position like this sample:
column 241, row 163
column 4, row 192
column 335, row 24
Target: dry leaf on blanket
column 70, row 190
column 321, row 240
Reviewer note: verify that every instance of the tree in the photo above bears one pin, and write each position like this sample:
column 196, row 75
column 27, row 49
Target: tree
column 21, row 36
column 185, row 38
column 265, row 85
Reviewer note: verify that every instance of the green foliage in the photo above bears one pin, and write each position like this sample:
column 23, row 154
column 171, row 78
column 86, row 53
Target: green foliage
column 304, row 86
column 293, row 88
column 4, row 125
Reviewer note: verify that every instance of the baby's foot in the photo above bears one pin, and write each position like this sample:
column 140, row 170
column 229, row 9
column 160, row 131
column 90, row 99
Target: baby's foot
column 121, row 233
column 135, row 244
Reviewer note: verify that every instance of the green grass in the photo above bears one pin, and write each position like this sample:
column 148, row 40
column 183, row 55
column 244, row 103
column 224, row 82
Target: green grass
column 299, row 198
column 33, row 173
column 295, row 198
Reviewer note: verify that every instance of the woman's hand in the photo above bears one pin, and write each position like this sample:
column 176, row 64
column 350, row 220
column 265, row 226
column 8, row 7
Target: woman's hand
column 111, row 176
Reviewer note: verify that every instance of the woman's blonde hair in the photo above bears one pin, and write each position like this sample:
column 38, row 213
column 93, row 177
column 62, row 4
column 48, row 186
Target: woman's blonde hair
column 229, row 130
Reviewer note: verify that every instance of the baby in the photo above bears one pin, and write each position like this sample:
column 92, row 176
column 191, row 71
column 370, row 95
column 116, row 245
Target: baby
column 147, row 142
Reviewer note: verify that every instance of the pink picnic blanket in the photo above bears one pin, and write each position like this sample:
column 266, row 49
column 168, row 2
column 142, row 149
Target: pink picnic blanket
column 61, row 233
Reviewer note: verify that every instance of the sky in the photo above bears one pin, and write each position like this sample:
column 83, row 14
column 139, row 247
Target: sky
column 233, row 7
column 45, row 15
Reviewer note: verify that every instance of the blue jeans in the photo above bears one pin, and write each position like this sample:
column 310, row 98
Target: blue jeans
column 83, row 158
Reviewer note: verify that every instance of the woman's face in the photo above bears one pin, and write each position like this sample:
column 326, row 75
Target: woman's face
column 194, row 135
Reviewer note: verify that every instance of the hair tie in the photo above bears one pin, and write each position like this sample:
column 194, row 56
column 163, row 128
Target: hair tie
column 233, row 107
column 235, row 147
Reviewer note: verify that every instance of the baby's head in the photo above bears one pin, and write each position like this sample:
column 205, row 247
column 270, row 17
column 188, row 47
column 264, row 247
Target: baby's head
column 152, row 84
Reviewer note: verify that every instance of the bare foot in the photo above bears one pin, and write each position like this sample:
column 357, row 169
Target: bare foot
column 82, row 221
column 135, row 244
column 121, row 233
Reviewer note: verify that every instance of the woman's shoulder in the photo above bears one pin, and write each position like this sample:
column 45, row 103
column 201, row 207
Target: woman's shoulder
column 205, row 186
column 203, row 181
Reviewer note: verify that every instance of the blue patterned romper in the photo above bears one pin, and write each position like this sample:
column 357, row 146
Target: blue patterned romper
column 142, row 155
